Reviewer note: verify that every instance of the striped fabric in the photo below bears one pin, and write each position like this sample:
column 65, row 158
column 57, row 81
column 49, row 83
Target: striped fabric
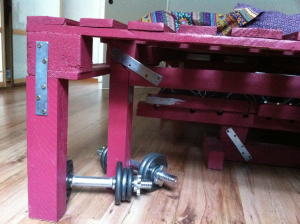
column 224, row 22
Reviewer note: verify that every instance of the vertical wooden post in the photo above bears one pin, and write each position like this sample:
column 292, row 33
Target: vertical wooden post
column 47, row 151
column 120, row 118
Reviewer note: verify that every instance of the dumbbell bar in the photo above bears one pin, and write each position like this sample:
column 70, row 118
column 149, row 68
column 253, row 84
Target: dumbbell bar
column 123, row 183
column 154, row 166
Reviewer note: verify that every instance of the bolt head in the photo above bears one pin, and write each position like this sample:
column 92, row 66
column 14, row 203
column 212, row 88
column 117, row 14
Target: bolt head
column 44, row 111
column 39, row 45
column 44, row 61
column 38, row 98
column 43, row 86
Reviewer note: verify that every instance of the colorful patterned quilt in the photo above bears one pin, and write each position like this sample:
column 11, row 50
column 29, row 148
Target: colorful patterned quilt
column 224, row 22
column 243, row 15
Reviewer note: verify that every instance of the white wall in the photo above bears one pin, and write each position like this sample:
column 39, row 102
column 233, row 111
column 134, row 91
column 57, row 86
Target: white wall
column 222, row 6
column 21, row 9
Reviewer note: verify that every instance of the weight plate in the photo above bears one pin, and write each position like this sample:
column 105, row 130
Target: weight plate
column 70, row 172
column 147, row 166
column 104, row 160
column 129, row 184
column 118, row 186
column 124, row 183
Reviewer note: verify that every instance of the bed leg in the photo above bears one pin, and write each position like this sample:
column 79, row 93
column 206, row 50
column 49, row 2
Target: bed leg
column 213, row 152
column 120, row 119
column 47, row 151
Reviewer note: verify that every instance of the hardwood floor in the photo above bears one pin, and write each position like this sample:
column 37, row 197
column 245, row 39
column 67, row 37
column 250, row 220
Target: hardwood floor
column 241, row 193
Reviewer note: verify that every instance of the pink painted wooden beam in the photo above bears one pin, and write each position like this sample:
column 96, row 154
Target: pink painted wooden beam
column 212, row 117
column 292, row 36
column 150, row 27
column 257, row 32
column 168, row 37
column 198, row 30
column 102, row 23
column 47, row 151
column 224, row 81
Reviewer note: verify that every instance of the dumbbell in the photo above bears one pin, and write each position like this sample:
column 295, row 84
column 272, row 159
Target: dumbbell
column 123, row 183
column 153, row 166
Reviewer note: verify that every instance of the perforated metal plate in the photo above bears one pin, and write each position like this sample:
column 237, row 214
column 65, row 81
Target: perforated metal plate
column 136, row 66
column 240, row 146
column 41, row 68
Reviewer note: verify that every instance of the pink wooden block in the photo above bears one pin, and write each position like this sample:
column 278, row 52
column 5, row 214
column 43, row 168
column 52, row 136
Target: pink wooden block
column 69, row 54
column 257, row 32
column 292, row 36
column 199, row 30
column 47, row 151
column 279, row 111
column 102, row 23
column 265, row 153
column 151, row 27
column 48, row 20
column 214, row 153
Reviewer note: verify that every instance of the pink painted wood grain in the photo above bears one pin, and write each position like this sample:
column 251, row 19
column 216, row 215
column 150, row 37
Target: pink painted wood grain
column 280, row 111
column 102, row 23
column 120, row 119
column 224, row 81
column 211, row 117
column 47, row 151
column 257, row 32
column 198, row 30
column 48, row 20
column 213, row 152
column 151, row 27
column 292, row 36
column 265, row 153
column 70, row 54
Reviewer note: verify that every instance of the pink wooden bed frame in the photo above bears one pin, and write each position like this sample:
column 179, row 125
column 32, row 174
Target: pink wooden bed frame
column 70, row 58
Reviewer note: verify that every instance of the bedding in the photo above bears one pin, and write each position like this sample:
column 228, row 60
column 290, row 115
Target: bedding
column 224, row 22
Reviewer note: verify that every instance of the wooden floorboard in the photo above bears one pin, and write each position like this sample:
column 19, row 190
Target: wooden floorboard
column 241, row 193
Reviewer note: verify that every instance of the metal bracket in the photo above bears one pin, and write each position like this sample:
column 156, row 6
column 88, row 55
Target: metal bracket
column 136, row 66
column 240, row 146
column 41, row 68
column 162, row 101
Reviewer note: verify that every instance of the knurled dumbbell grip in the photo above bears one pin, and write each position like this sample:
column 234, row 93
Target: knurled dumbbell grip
column 105, row 182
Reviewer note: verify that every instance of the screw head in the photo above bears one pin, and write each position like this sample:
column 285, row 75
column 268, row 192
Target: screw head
column 39, row 45
column 43, row 86
column 44, row 61
column 44, row 111
column 38, row 98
